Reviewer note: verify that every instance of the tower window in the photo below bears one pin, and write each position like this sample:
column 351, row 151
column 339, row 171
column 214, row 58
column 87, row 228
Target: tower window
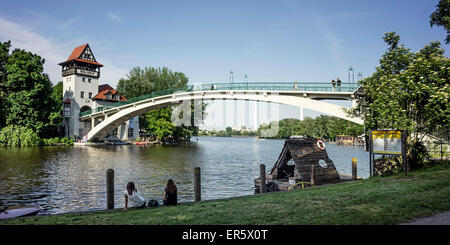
column 82, row 95
column 130, row 133
column 84, row 79
column 89, row 80
column 90, row 95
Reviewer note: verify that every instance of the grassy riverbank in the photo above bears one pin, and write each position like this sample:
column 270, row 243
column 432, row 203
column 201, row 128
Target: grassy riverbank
column 388, row 200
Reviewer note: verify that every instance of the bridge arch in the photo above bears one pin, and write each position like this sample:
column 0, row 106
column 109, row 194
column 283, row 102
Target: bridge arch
column 117, row 116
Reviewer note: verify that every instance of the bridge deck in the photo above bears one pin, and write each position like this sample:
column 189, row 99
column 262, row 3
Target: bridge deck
column 318, row 90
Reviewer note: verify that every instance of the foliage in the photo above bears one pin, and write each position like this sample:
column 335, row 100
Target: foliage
column 409, row 91
column 159, row 122
column 27, row 91
column 57, row 141
column 18, row 136
column 4, row 54
column 326, row 127
column 143, row 81
column 441, row 17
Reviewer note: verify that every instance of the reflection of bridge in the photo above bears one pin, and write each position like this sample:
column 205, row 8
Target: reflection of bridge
column 306, row 95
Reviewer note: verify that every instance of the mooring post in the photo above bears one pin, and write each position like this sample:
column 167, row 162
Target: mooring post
column 262, row 178
column 197, row 185
column 110, row 189
column 354, row 164
column 313, row 175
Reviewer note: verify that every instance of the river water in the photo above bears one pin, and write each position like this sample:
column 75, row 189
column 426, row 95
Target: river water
column 68, row 179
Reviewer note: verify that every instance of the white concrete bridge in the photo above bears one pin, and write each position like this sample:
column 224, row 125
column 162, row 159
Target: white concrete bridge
column 306, row 95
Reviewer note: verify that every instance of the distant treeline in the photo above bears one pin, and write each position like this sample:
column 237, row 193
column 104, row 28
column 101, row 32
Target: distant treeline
column 326, row 127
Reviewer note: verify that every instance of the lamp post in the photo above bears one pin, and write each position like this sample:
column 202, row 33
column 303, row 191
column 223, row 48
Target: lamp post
column 350, row 69
column 231, row 76
column 359, row 77
column 246, row 80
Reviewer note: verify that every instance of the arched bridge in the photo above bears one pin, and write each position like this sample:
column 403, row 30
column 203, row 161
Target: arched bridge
column 306, row 95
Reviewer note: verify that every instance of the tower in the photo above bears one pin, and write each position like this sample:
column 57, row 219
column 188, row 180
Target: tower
column 80, row 74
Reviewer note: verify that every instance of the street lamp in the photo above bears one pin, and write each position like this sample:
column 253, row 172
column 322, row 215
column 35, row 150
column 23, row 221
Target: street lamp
column 246, row 80
column 359, row 76
column 231, row 76
column 351, row 69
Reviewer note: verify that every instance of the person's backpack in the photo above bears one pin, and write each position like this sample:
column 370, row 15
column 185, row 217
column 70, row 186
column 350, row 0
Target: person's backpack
column 153, row 203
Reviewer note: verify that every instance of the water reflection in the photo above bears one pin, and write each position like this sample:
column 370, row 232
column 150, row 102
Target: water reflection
column 62, row 179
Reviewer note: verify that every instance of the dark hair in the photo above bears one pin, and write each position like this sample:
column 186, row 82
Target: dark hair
column 131, row 188
column 171, row 187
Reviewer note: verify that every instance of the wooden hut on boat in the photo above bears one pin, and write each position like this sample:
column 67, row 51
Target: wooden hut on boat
column 295, row 163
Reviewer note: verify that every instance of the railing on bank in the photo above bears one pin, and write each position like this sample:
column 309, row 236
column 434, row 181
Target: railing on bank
column 273, row 86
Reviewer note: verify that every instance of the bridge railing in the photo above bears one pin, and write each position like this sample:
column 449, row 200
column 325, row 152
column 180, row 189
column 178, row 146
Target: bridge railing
column 273, row 86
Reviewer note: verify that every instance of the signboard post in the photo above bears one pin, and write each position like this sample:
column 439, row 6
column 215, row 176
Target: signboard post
column 387, row 142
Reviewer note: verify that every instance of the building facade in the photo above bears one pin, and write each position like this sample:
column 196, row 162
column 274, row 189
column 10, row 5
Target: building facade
column 82, row 92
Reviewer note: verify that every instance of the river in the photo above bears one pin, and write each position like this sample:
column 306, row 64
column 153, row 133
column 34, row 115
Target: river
column 69, row 179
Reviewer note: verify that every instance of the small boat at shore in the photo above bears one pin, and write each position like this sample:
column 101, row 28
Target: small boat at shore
column 121, row 143
column 303, row 160
column 18, row 211
column 140, row 143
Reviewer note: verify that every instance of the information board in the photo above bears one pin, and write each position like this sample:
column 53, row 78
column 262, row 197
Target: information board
column 387, row 142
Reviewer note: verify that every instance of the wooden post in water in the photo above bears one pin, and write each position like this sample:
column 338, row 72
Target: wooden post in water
column 313, row 175
column 110, row 189
column 262, row 178
column 354, row 164
column 197, row 185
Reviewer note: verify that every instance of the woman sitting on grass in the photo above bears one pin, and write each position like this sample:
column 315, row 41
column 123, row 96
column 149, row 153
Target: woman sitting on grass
column 132, row 195
column 170, row 193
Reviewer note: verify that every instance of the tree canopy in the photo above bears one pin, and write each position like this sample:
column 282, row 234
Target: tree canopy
column 441, row 17
column 408, row 91
column 29, row 107
column 149, row 79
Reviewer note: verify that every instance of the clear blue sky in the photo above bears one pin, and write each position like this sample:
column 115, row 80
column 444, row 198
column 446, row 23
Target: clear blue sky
column 267, row 40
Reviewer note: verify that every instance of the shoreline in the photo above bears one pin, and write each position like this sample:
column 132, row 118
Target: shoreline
column 381, row 200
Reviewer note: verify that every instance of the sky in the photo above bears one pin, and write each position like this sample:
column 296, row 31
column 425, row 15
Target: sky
column 284, row 40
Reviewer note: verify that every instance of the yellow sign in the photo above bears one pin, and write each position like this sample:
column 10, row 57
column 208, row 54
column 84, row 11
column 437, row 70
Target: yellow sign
column 387, row 142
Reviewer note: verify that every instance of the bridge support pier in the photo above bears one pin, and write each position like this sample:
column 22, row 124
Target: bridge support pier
column 92, row 122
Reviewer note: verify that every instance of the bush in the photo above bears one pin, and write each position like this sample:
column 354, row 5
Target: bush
column 57, row 141
column 18, row 136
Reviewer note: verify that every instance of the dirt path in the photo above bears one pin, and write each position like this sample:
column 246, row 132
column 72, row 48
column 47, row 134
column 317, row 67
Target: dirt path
column 438, row 219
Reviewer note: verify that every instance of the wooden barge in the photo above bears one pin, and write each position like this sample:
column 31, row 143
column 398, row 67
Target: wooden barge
column 303, row 162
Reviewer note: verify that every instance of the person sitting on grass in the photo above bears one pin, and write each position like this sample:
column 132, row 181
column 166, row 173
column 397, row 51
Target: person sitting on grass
column 170, row 193
column 131, row 194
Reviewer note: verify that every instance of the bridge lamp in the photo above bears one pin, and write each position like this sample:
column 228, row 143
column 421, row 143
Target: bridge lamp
column 350, row 69
column 231, row 76
column 246, row 79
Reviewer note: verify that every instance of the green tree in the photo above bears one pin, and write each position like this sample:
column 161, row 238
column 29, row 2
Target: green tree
column 147, row 80
column 409, row 91
column 18, row 136
column 28, row 91
column 4, row 55
column 159, row 122
column 55, row 119
column 441, row 17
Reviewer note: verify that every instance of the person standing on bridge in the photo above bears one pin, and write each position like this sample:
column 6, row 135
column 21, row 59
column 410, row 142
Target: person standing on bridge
column 170, row 193
column 131, row 194
column 333, row 83
column 339, row 84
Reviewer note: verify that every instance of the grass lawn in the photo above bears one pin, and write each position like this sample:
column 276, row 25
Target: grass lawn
column 386, row 200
